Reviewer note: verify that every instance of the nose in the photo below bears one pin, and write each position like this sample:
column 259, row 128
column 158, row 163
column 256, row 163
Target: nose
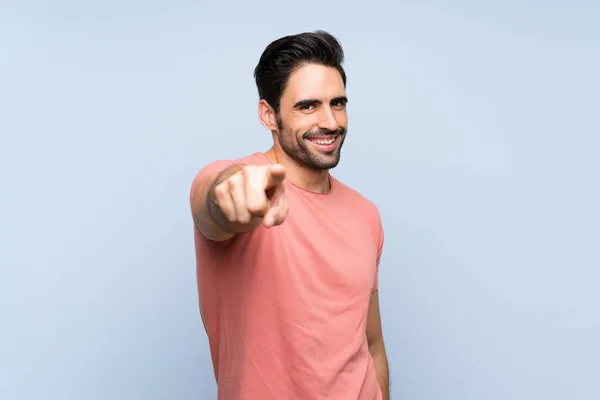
column 327, row 119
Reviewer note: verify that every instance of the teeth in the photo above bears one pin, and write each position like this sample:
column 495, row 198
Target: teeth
column 325, row 142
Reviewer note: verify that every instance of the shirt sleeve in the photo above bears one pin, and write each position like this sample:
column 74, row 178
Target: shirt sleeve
column 214, row 166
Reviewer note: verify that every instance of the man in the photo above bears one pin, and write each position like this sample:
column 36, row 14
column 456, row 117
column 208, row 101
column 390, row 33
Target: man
column 288, row 256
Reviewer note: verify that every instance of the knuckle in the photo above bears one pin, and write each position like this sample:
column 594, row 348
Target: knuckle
column 236, row 180
column 229, row 217
column 248, row 171
column 221, row 190
column 255, row 208
column 244, row 218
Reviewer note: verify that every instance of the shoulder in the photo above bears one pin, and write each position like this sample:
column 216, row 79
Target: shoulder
column 219, row 165
column 360, row 202
column 363, row 206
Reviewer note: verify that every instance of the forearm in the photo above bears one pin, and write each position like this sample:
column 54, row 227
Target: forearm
column 381, row 370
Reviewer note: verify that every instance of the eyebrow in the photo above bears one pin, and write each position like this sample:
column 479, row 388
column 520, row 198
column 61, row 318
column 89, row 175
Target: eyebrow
column 314, row 102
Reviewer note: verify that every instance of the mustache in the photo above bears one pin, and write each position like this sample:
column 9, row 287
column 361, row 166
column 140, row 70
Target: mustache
column 324, row 132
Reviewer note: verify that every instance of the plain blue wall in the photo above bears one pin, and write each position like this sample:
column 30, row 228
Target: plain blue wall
column 473, row 127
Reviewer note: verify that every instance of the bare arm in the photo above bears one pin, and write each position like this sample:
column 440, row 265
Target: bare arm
column 209, row 219
column 376, row 345
column 238, row 199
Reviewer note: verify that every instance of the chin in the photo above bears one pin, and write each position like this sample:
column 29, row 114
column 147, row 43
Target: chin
column 324, row 163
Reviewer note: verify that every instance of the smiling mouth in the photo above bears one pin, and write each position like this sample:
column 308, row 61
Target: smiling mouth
column 324, row 141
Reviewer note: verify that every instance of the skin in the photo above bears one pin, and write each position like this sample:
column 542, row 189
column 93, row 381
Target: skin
column 240, row 198
column 313, row 104
column 377, row 346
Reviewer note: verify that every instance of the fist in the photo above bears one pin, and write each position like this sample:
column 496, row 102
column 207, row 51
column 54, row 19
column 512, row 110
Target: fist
column 253, row 195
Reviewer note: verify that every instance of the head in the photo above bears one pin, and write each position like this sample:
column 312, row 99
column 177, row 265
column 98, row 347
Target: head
column 302, row 89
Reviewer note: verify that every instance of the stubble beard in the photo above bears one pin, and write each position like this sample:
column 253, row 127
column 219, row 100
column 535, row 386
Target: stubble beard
column 299, row 149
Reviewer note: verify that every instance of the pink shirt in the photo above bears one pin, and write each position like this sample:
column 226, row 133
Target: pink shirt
column 285, row 309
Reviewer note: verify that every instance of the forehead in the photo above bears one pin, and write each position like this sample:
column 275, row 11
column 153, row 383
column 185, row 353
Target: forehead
column 313, row 81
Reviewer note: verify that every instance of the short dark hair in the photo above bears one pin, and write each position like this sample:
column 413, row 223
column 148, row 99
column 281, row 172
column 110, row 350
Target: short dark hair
column 283, row 56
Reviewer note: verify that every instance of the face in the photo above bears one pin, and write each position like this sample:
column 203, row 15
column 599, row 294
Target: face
column 312, row 119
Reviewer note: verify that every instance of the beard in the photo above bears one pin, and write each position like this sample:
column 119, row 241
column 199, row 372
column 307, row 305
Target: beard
column 300, row 151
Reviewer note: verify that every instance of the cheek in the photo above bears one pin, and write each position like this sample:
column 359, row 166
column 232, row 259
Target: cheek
column 306, row 124
column 342, row 118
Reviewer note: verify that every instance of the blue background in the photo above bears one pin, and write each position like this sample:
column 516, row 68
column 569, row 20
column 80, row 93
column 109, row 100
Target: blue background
column 473, row 126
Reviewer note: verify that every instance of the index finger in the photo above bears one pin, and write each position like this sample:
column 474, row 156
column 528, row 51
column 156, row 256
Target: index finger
column 275, row 174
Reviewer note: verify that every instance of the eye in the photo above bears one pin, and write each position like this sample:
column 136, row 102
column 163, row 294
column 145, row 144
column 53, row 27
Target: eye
column 307, row 107
column 338, row 104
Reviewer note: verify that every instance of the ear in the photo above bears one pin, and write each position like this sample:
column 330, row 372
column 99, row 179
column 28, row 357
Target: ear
column 266, row 115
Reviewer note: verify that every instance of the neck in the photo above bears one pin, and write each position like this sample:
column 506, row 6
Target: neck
column 300, row 175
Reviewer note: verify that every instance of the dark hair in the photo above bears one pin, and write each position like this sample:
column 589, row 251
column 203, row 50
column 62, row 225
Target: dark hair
column 283, row 56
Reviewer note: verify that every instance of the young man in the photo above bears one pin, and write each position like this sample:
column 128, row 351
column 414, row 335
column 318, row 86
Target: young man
column 288, row 256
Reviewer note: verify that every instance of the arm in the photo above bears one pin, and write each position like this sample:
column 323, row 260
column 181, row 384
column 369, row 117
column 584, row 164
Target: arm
column 376, row 345
column 237, row 200
column 209, row 219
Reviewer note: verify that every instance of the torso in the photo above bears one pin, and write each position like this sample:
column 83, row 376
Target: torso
column 285, row 308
